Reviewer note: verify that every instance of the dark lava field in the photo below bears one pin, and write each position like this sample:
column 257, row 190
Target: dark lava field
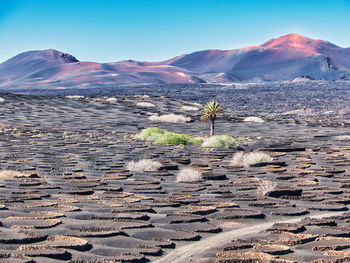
column 250, row 98
column 66, row 194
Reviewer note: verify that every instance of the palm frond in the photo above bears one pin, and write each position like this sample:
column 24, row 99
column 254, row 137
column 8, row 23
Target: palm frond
column 211, row 110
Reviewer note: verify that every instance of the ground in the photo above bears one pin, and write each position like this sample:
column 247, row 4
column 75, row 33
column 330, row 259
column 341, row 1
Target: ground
column 71, row 155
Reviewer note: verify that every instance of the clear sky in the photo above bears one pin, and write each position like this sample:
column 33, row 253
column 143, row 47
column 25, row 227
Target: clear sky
column 154, row 30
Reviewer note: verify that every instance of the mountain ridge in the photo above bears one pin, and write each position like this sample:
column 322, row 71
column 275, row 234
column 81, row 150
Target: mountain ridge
column 278, row 59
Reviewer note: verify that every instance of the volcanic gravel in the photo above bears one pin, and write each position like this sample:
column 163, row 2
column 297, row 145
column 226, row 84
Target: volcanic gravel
column 73, row 199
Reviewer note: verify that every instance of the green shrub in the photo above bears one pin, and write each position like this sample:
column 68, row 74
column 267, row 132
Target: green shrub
column 160, row 136
column 220, row 141
column 149, row 133
column 19, row 134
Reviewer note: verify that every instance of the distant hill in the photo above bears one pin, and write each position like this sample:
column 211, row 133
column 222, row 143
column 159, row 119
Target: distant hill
column 289, row 57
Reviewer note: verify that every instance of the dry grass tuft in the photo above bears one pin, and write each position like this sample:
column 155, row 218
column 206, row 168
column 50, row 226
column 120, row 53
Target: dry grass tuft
column 143, row 165
column 145, row 105
column 75, row 97
column 189, row 108
column 111, row 100
column 174, row 118
column 253, row 119
column 220, row 141
column 248, row 159
column 266, row 186
column 188, row 174
column 7, row 174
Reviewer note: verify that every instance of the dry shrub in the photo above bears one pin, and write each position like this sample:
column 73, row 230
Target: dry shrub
column 220, row 141
column 75, row 97
column 266, row 186
column 188, row 174
column 189, row 108
column 174, row 118
column 253, row 119
column 248, row 159
column 145, row 105
column 6, row 174
column 143, row 165
column 111, row 100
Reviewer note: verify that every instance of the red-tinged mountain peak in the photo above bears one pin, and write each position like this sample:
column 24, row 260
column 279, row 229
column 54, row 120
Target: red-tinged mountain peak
column 295, row 41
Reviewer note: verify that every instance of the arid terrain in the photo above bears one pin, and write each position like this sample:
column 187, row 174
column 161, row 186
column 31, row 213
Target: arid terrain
column 66, row 193
column 163, row 131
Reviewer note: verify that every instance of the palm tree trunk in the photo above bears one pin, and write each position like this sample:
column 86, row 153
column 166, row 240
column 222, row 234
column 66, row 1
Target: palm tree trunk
column 212, row 128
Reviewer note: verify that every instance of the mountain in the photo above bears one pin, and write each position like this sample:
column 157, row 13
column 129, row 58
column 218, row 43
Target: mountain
column 286, row 58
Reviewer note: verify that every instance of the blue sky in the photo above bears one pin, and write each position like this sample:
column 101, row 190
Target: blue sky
column 154, row 30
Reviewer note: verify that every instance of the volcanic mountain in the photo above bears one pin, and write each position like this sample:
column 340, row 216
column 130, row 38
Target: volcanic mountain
column 284, row 58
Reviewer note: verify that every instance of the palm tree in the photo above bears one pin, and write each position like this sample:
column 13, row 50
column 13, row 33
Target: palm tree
column 210, row 111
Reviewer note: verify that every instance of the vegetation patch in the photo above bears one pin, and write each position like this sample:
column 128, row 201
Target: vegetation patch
column 19, row 134
column 265, row 187
column 75, row 97
column 188, row 174
column 163, row 137
column 6, row 174
column 111, row 100
column 248, row 159
column 143, row 165
column 220, row 141
column 253, row 119
column 189, row 108
column 174, row 118
column 145, row 105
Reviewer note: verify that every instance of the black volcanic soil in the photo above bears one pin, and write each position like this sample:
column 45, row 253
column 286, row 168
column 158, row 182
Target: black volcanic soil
column 321, row 97
column 75, row 201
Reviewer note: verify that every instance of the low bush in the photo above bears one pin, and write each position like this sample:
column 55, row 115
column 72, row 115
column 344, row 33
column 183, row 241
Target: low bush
column 266, row 186
column 248, row 159
column 189, row 108
column 75, row 97
column 220, row 141
column 143, row 165
column 188, row 174
column 160, row 136
column 19, row 134
column 7, row 174
column 174, row 118
column 145, row 105
column 253, row 119
column 111, row 100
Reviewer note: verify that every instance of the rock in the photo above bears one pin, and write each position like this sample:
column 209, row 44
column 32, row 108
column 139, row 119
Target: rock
column 289, row 227
column 284, row 191
column 248, row 257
